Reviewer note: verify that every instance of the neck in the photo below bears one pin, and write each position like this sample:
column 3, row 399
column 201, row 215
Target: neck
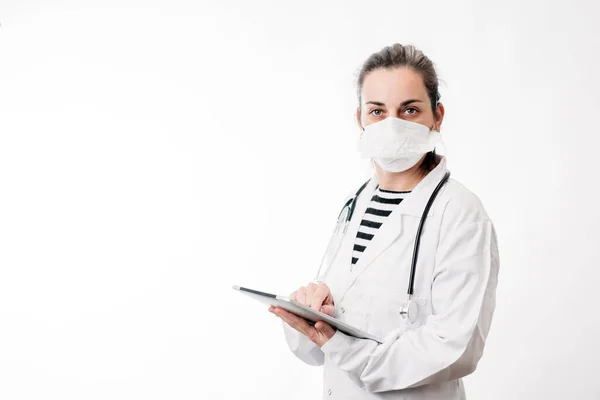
column 399, row 181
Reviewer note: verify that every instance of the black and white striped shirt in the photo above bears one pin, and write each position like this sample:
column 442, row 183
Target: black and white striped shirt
column 382, row 204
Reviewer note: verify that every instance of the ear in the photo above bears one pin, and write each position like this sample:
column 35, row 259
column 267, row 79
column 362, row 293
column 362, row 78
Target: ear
column 439, row 116
column 358, row 118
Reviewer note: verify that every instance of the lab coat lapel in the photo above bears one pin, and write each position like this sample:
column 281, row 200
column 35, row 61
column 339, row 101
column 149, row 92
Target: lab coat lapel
column 385, row 235
column 412, row 206
column 344, row 261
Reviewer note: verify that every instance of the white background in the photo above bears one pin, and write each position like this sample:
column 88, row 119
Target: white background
column 154, row 153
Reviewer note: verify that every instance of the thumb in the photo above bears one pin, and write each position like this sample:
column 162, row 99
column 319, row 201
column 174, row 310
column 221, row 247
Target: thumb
column 324, row 328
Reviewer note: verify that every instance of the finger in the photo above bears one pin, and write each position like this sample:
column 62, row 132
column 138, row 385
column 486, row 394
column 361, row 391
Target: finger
column 301, row 295
column 329, row 298
column 319, row 296
column 299, row 323
column 293, row 324
column 290, row 321
column 328, row 309
column 278, row 311
column 285, row 314
column 310, row 293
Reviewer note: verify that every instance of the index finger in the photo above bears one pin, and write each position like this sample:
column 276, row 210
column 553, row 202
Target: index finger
column 319, row 297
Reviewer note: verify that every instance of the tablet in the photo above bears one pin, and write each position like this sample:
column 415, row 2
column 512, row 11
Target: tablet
column 311, row 315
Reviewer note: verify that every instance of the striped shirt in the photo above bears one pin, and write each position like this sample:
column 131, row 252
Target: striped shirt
column 381, row 205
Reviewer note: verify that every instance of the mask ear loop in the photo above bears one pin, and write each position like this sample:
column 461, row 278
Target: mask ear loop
column 372, row 161
column 441, row 139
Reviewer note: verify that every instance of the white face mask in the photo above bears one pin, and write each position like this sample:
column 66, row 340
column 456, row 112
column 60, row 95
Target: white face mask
column 395, row 144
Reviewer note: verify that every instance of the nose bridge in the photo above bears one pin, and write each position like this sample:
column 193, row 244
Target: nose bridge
column 394, row 112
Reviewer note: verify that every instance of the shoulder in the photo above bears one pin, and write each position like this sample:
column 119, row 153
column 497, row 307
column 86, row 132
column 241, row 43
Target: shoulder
column 461, row 205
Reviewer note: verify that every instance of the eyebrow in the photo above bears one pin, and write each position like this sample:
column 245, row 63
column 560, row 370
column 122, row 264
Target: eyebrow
column 404, row 103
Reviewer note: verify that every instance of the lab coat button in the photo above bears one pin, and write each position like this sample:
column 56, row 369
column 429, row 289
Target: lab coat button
column 343, row 310
column 329, row 392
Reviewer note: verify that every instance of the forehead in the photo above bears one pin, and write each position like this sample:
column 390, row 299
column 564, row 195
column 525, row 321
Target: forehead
column 393, row 86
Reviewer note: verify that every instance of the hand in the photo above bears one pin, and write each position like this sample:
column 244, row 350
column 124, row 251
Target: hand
column 316, row 296
column 319, row 334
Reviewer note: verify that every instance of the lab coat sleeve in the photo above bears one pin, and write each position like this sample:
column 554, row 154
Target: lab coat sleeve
column 451, row 341
column 303, row 347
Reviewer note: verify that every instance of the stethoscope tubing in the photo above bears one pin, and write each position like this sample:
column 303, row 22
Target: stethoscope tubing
column 351, row 204
column 413, row 265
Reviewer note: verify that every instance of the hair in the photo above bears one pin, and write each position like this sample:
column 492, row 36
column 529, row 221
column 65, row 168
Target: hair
column 398, row 55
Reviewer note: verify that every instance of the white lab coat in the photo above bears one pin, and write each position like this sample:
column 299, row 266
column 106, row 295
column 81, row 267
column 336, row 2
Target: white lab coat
column 455, row 289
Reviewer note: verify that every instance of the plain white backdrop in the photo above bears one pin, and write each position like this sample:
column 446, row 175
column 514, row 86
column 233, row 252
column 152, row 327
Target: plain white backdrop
column 154, row 153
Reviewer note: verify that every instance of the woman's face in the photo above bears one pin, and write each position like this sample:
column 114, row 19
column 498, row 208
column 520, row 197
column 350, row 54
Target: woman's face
column 400, row 93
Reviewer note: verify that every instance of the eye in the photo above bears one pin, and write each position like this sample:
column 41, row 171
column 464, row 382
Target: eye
column 411, row 111
column 376, row 112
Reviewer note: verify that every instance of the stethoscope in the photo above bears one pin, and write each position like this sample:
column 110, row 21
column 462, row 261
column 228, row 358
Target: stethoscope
column 410, row 308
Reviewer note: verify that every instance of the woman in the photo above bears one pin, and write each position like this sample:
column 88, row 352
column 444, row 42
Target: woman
column 366, row 286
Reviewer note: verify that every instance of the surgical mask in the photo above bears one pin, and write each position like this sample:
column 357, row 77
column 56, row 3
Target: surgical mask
column 395, row 144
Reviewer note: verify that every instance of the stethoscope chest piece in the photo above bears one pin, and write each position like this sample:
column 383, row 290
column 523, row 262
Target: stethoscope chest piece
column 410, row 310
